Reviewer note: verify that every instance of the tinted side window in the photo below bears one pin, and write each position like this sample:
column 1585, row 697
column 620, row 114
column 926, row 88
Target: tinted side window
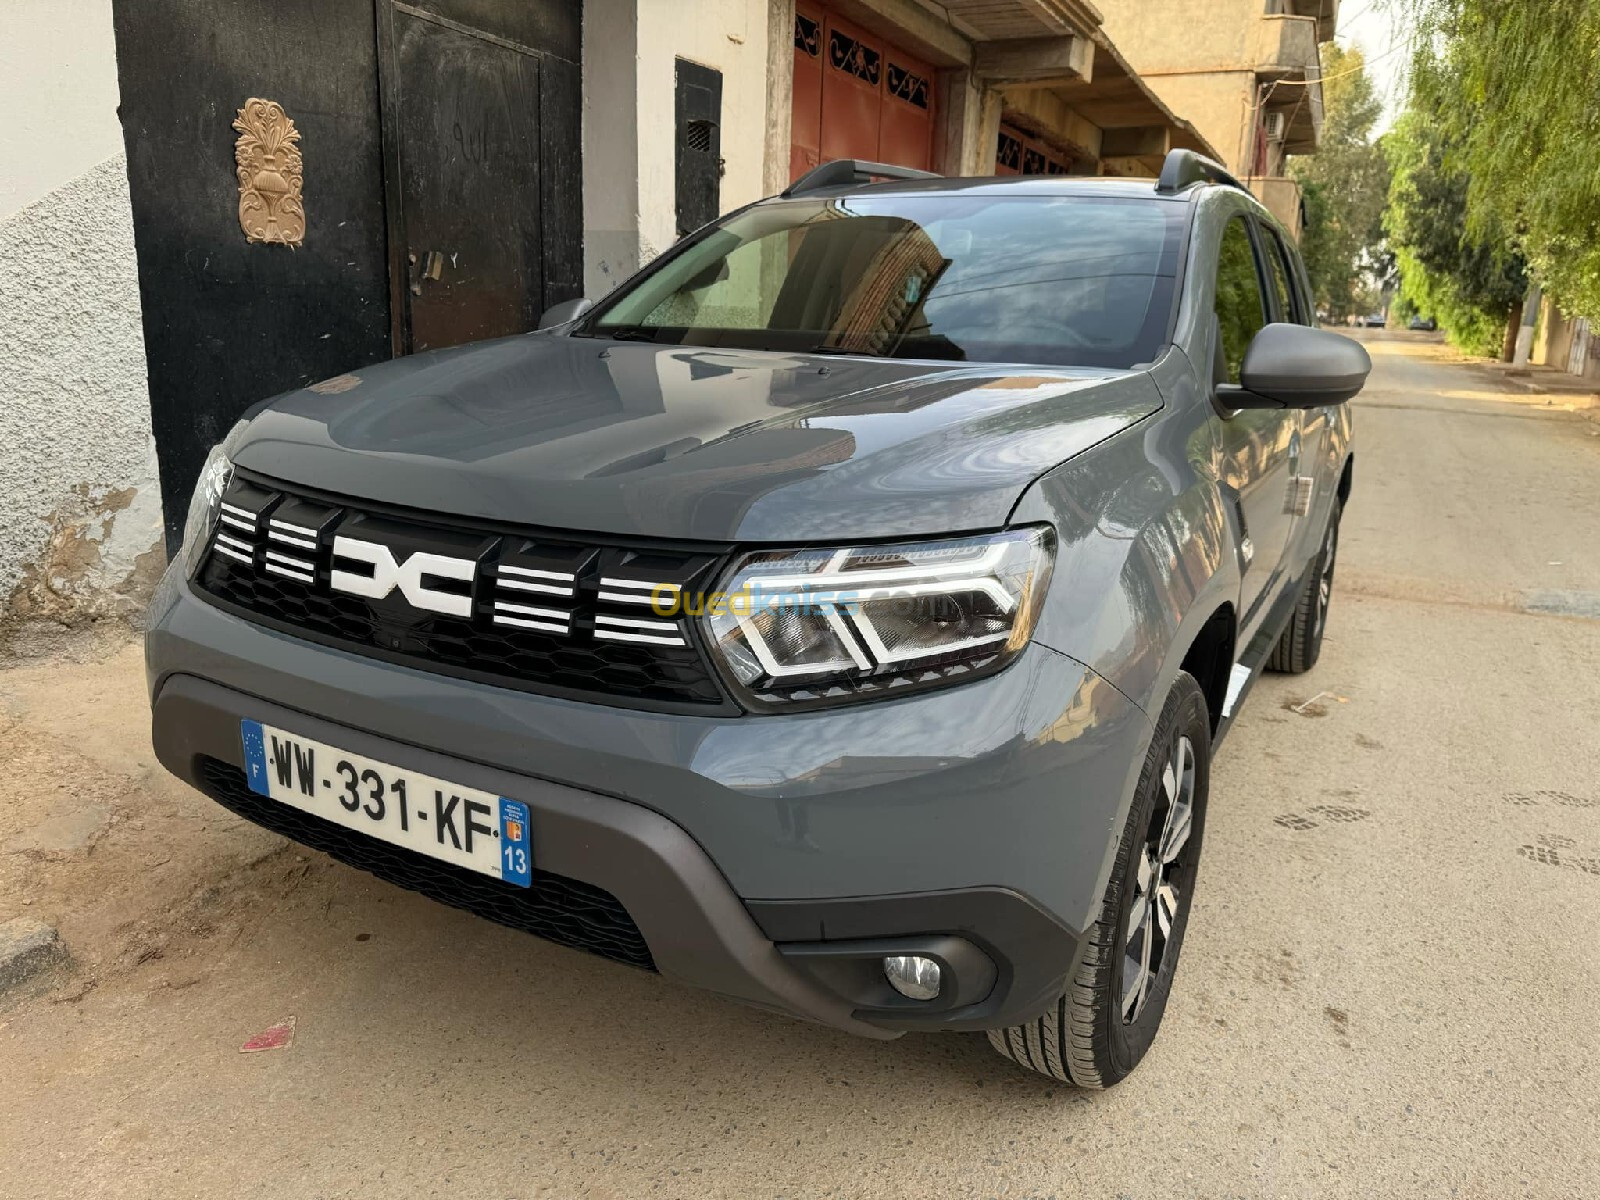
column 1278, row 267
column 1241, row 308
column 1308, row 300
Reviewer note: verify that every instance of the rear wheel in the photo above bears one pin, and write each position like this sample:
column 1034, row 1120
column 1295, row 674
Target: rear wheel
column 1300, row 646
column 1102, row 1025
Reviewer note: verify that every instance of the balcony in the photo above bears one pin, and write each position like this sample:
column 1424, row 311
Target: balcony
column 1002, row 20
column 1285, row 47
column 1283, row 52
column 1324, row 12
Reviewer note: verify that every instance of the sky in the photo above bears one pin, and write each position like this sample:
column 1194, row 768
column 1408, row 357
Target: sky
column 1370, row 25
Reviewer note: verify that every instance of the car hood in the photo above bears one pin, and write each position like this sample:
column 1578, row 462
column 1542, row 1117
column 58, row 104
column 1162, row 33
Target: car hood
column 688, row 442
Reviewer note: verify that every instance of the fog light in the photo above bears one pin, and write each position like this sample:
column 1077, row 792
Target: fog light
column 914, row 977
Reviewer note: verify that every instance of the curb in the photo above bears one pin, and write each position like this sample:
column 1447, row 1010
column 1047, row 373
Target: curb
column 1541, row 383
column 28, row 948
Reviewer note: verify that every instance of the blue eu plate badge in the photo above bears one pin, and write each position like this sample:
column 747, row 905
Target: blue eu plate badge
column 255, row 756
column 516, row 856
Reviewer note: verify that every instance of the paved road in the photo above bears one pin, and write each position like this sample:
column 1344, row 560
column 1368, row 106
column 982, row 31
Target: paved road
column 1388, row 989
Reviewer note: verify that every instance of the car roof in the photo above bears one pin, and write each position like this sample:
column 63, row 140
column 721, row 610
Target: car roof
column 1006, row 185
column 1190, row 190
column 1184, row 174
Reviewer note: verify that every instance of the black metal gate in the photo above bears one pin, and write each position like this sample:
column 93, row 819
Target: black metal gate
column 444, row 131
column 698, row 127
column 482, row 160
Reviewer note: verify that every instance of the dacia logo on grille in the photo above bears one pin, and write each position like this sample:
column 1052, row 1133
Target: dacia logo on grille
column 410, row 576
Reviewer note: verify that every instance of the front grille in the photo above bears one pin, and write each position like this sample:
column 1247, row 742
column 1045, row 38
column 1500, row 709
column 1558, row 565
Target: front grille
column 543, row 613
column 566, row 911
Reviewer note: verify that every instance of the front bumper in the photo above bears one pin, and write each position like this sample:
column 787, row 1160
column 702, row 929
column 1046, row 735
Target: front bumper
column 772, row 859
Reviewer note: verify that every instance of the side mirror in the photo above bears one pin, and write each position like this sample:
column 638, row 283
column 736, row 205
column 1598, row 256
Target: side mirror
column 1294, row 366
column 564, row 313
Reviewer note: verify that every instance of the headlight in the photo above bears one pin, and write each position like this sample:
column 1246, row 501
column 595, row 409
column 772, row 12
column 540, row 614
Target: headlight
column 214, row 479
column 820, row 624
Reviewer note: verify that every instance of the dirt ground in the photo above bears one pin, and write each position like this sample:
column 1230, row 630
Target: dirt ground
column 1388, row 987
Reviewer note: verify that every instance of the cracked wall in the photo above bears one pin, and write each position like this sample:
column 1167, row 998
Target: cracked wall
column 79, row 505
column 80, row 513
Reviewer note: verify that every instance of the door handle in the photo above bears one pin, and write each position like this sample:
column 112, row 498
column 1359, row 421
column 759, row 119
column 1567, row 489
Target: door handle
column 432, row 268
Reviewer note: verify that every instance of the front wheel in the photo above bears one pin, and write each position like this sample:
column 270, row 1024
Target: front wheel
column 1300, row 646
column 1102, row 1025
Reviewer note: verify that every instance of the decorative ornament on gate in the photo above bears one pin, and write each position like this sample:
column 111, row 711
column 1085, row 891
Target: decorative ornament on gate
column 268, row 158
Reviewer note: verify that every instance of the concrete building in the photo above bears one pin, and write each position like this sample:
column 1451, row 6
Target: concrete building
column 1565, row 343
column 963, row 87
column 1248, row 75
column 296, row 188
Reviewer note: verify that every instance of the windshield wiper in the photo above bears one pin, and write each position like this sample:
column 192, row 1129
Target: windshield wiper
column 628, row 333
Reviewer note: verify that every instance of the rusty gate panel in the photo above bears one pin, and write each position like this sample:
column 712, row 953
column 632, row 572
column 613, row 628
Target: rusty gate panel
column 852, row 91
column 857, row 96
column 805, row 137
column 1020, row 154
column 906, row 133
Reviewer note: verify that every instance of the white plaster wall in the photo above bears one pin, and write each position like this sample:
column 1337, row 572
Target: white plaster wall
column 729, row 36
column 58, row 94
column 629, row 79
column 79, row 504
column 80, row 518
column 610, row 147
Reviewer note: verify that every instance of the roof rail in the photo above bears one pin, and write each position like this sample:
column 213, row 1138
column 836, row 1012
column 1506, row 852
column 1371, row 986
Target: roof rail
column 1185, row 168
column 843, row 172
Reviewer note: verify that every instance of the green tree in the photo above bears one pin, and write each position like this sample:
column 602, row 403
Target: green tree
column 1345, row 186
column 1472, row 282
column 1513, row 85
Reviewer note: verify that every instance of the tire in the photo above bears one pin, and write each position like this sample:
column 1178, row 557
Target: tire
column 1300, row 646
column 1104, row 1023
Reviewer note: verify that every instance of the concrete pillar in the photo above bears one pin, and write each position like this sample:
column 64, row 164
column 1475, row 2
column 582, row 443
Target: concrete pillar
column 969, row 124
column 611, row 250
column 780, row 93
column 1530, row 320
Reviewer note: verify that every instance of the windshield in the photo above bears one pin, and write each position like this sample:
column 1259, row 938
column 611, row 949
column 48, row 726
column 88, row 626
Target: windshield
column 1058, row 280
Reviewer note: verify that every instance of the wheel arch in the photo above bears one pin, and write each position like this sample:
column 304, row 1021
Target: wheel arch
column 1210, row 657
column 1346, row 479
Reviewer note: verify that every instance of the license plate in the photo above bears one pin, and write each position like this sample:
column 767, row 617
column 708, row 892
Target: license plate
column 477, row 830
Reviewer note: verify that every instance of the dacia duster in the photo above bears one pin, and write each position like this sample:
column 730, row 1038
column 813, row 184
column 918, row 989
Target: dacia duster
column 840, row 616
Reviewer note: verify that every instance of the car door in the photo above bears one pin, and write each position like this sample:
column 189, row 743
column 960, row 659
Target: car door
column 1256, row 444
column 1310, row 425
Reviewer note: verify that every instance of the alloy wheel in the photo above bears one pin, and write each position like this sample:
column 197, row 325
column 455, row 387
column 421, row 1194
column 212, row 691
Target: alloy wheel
column 1159, row 881
column 1330, row 548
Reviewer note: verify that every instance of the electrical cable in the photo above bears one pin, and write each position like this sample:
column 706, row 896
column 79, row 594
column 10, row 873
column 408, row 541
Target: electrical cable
column 1366, row 62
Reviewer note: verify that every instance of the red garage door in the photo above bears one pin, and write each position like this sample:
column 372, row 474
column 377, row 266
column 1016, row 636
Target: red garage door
column 1019, row 154
column 856, row 96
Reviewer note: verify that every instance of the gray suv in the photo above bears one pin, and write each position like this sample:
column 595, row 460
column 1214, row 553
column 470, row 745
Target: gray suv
column 840, row 616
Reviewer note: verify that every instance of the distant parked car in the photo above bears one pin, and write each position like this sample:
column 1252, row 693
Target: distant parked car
column 1374, row 320
column 1427, row 324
